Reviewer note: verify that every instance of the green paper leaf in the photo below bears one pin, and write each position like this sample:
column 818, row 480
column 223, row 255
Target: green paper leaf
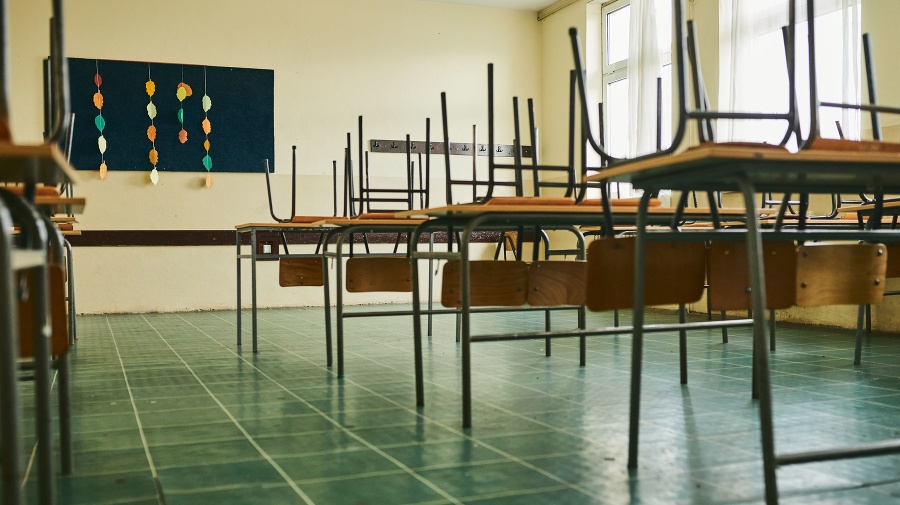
column 100, row 122
column 207, row 162
column 181, row 115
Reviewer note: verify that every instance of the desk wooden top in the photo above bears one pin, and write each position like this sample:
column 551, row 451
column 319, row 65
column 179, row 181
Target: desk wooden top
column 719, row 167
column 43, row 163
column 280, row 226
column 575, row 210
column 329, row 223
column 59, row 205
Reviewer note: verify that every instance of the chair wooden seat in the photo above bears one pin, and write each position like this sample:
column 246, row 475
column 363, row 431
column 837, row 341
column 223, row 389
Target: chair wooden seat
column 529, row 200
column 40, row 190
column 621, row 202
column 311, row 219
column 676, row 273
column 878, row 146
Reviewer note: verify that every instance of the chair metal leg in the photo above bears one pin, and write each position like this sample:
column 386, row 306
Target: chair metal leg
column 857, row 355
column 65, row 415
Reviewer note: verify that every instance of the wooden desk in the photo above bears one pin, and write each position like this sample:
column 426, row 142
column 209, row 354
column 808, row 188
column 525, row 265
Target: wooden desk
column 748, row 170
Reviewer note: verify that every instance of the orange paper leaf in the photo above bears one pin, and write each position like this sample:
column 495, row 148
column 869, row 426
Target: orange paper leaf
column 103, row 170
column 98, row 80
column 187, row 89
column 154, row 157
column 208, row 180
column 182, row 136
column 151, row 87
column 151, row 133
column 206, row 126
column 98, row 100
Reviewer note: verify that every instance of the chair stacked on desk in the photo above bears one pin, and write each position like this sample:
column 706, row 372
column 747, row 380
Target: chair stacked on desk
column 808, row 274
column 34, row 332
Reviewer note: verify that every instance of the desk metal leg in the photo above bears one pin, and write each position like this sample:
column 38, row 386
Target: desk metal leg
column 430, row 281
column 42, row 381
column 326, row 288
column 466, row 321
column 339, row 303
column 761, row 358
column 239, row 308
column 253, row 286
column 10, row 439
column 637, row 345
column 65, row 415
column 857, row 355
column 416, row 309
column 682, row 344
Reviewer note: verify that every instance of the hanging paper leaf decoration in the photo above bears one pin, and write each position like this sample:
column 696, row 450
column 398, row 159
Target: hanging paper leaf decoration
column 206, row 145
column 181, row 93
column 154, row 176
column 208, row 180
column 207, row 103
column 101, row 143
column 151, row 87
column 103, row 170
column 206, row 126
column 181, row 116
column 98, row 100
column 151, row 110
column 151, row 133
column 182, row 136
column 98, row 80
column 154, row 157
column 187, row 89
column 207, row 162
column 100, row 122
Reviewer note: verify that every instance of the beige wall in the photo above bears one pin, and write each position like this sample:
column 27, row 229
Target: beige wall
column 333, row 60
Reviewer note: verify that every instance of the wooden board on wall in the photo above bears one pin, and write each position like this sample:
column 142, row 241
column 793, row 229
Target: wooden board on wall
column 241, row 116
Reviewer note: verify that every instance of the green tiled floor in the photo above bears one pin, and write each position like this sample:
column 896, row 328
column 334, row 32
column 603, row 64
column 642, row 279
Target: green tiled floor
column 168, row 410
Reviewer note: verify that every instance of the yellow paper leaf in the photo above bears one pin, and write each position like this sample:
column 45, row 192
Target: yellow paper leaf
column 154, row 157
column 151, row 87
column 98, row 100
column 181, row 93
column 206, row 145
column 206, row 126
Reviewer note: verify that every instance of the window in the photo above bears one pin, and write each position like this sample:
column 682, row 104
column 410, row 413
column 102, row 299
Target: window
column 754, row 72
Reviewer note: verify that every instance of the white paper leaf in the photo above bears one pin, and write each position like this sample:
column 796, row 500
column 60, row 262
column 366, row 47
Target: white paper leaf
column 154, row 176
column 101, row 143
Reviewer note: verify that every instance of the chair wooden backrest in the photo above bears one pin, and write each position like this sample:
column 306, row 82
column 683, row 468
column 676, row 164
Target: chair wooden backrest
column 839, row 274
column 367, row 274
column 675, row 273
column 300, row 272
column 59, row 336
column 555, row 283
column 729, row 279
column 492, row 283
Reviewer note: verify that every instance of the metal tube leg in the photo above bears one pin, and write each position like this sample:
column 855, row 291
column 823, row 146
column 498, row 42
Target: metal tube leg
column 637, row 315
column 42, row 381
column 682, row 344
column 339, row 303
column 430, row 283
column 868, row 319
column 761, row 358
column 772, row 330
column 724, row 330
column 547, row 349
column 857, row 355
column 70, row 285
column 327, row 293
column 582, row 344
column 417, row 315
column 465, row 326
column 253, row 286
column 65, row 415
column 10, row 434
column 239, row 308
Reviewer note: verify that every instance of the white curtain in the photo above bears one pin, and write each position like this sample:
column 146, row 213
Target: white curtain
column 753, row 68
column 643, row 71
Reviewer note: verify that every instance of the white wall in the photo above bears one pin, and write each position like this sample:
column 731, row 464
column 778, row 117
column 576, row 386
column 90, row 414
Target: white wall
column 333, row 59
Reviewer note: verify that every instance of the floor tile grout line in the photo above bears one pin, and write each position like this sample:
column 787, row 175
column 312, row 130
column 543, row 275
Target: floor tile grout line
column 249, row 438
column 469, row 437
column 360, row 439
column 160, row 495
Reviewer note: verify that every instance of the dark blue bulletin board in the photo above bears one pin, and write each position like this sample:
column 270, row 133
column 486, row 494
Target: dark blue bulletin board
column 241, row 116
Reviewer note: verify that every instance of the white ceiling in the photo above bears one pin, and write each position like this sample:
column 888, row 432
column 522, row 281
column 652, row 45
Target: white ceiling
column 528, row 5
